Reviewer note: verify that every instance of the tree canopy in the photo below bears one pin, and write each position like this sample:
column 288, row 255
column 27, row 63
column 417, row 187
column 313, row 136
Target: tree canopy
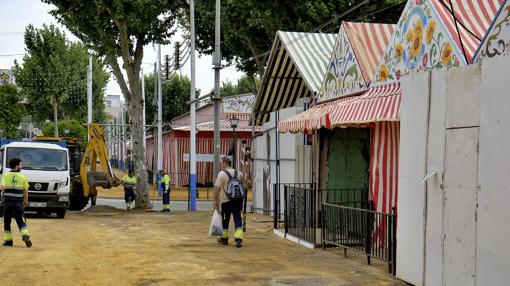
column 244, row 85
column 69, row 128
column 248, row 27
column 12, row 111
column 53, row 77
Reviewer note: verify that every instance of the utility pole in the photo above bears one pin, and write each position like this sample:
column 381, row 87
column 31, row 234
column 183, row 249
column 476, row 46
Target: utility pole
column 160, row 112
column 192, row 156
column 217, row 99
column 89, row 91
column 143, row 112
column 155, row 129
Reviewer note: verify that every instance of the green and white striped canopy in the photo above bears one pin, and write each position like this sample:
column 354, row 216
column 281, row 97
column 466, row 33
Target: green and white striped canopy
column 295, row 69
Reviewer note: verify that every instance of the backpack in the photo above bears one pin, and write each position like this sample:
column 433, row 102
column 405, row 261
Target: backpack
column 235, row 190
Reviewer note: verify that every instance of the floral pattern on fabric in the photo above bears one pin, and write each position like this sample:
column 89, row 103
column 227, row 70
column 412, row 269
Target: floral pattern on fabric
column 418, row 43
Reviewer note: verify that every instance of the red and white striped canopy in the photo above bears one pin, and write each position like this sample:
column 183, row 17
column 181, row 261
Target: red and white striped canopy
column 380, row 103
column 471, row 18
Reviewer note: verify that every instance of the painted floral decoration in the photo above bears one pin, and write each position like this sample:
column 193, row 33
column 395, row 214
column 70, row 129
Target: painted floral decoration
column 446, row 54
column 383, row 73
column 398, row 50
column 419, row 42
column 430, row 31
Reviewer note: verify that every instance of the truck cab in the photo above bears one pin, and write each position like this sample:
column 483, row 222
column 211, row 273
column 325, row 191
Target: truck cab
column 46, row 167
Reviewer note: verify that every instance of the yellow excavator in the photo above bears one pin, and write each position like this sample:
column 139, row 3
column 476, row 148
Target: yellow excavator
column 96, row 153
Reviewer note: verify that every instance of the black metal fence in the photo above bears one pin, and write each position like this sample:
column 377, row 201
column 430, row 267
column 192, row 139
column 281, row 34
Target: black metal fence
column 300, row 212
column 360, row 229
column 278, row 210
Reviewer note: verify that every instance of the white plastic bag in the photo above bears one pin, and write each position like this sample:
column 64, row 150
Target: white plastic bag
column 216, row 227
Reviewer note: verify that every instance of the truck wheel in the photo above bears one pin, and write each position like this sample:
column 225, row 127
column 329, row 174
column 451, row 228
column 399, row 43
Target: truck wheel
column 61, row 213
column 1, row 211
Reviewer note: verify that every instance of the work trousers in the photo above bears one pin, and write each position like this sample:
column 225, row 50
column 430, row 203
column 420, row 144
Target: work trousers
column 129, row 195
column 14, row 209
column 166, row 196
column 234, row 208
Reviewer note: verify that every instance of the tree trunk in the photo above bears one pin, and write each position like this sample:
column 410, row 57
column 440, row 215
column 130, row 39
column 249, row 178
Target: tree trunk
column 135, row 106
column 135, row 123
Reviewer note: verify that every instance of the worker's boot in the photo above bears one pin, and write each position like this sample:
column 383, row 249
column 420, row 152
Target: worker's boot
column 8, row 243
column 239, row 235
column 222, row 240
column 26, row 239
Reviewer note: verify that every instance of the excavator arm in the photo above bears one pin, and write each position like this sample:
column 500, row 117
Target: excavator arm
column 96, row 152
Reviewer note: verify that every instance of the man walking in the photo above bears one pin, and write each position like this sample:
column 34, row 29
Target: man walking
column 228, row 194
column 165, row 186
column 14, row 187
column 129, row 182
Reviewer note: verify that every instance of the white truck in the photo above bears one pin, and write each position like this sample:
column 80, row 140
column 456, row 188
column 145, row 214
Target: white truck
column 46, row 167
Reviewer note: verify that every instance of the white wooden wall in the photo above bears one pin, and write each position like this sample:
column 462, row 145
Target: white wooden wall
column 452, row 228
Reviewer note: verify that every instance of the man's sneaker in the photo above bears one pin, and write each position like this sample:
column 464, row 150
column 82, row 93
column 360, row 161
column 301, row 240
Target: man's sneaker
column 239, row 243
column 27, row 241
column 222, row 240
column 8, row 243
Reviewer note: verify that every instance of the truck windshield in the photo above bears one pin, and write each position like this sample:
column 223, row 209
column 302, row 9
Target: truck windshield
column 39, row 158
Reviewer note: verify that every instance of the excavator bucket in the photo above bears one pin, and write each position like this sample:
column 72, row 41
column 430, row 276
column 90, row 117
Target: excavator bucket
column 96, row 153
column 98, row 179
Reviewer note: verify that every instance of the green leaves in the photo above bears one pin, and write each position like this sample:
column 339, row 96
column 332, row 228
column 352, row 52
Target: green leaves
column 249, row 26
column 12, row 110
column 68, row 128
column 54, row 71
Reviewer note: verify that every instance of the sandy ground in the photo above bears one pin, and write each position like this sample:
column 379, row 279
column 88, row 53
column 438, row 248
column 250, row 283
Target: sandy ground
column 138, row 248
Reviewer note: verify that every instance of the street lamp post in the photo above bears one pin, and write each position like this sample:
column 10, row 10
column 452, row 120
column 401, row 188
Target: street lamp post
column 233, row 123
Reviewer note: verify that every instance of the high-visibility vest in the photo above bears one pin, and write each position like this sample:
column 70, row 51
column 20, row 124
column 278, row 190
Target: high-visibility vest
column 129, row 182
column 14, row 184
column 166, row 180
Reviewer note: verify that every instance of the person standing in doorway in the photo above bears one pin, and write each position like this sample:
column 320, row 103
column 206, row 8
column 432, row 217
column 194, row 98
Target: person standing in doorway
column 228, row 200
column 165, row 186
column 14, row 187
column 129, row 182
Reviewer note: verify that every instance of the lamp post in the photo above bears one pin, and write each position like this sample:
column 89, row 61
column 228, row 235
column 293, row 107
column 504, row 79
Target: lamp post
column 233, row 123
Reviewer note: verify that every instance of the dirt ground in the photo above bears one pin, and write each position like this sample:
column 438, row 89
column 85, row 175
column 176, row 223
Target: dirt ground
column 109, row 247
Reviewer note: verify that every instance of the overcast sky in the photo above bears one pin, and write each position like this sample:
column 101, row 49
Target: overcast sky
column 15, row 15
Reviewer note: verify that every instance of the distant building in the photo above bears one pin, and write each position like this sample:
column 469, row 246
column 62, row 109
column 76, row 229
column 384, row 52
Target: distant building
column 6, row 76
column 113, row 106
column 116, row 136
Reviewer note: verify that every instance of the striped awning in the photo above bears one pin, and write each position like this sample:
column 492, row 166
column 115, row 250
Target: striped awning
column 225, row 126
column 380, row 103
column 471, row 18
column 295, row 69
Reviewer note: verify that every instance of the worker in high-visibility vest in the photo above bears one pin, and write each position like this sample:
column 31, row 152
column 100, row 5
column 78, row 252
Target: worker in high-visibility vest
column 165, row 186
column 129, row 182
column 14, row 187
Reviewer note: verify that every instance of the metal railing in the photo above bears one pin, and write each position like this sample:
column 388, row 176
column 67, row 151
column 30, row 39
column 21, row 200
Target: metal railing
column 278, row 209
column 339, row 196
column 364, row 230
column 300, row 212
